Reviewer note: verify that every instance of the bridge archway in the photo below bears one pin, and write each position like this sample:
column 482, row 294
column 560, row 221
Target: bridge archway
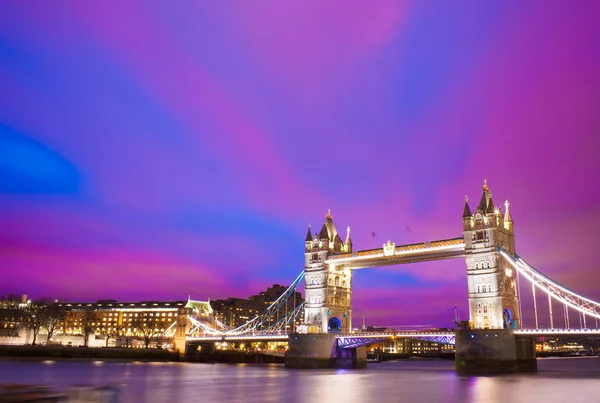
column 507, row 318
column 334, row 325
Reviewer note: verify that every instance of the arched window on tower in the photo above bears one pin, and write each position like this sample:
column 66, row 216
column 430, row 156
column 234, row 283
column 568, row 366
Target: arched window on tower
column 337, row 281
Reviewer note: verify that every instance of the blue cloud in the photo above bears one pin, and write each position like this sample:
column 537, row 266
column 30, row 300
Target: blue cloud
column 28, row 166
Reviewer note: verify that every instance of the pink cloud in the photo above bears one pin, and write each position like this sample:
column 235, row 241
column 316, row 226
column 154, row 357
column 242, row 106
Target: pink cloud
column 311, row 42
column 107, row 274
column 409, row 305
column 195, row 97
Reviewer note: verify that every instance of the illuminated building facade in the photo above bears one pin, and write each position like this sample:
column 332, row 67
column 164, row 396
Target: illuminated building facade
column 152, row 320
column 410, row 347
column 11, row 314
column 492, row 282
column 328, row 287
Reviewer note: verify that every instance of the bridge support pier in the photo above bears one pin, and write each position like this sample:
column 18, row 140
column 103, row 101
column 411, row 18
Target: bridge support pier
column 180, row 346
column 494, row 351
column 313, row 351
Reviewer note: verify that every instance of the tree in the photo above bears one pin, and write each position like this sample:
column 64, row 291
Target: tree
column 124, row 334
column 33, row 319
column 149, row 329
column 88, row 318
column 110, row 333
column 52, row 317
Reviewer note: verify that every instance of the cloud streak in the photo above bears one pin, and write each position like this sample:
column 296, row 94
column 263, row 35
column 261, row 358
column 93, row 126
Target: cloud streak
column 195, row 143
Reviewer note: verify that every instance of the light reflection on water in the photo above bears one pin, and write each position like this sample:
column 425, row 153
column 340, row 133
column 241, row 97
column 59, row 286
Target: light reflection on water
column 558, row 380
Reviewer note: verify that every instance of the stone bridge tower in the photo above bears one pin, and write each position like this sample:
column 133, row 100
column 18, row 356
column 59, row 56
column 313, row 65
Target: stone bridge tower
column 492, row 282
column 328, row 288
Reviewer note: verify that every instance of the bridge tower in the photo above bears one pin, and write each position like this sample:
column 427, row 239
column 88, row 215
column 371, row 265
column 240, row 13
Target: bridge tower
column 492, row 282
column 328, row 288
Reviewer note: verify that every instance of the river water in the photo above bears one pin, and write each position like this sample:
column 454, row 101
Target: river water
column 571, row 380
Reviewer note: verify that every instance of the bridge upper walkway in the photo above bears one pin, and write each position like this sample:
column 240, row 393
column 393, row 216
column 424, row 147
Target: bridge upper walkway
column 392, row 254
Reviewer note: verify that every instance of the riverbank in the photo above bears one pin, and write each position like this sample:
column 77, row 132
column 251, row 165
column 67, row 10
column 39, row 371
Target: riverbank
column 84, row 353
column 131, row 354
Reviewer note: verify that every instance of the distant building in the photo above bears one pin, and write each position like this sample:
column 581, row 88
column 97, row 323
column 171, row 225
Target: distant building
column 11, row 314
column 234, row 312
column 407, row 346
column 127, row 323
column 131, row 320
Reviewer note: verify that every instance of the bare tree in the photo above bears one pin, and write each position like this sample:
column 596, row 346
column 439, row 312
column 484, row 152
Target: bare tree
column 150, row 329
column 88, row 317
column 33, row 319
column 125, row 335
column 52, row 318
column 110, row 333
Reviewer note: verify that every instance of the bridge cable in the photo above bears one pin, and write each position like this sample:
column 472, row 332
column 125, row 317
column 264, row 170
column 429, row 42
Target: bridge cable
column 534, row 304
column 260, row 319
column 568, row 298
column 550, row 309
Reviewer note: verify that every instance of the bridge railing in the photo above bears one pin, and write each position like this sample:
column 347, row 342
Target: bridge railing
column 559, row 331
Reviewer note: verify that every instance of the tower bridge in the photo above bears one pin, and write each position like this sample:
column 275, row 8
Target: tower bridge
column 495, row 337
column 492, row 288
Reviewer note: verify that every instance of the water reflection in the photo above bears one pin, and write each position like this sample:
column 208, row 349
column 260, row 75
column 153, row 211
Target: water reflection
column 429, row 381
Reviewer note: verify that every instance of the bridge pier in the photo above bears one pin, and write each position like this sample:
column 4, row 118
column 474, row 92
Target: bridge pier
column 180, row 346
column 313, row 351
column 494, row 351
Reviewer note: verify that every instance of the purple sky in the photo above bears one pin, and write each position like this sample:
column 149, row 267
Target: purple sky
column 161, row 151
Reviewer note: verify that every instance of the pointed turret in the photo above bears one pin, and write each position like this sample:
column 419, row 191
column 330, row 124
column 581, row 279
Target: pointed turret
column 309, row 236
column 323, row 234
column 338, row 245
column 491, row 209
column 467, row 210
column 508, row 221
column 331, row 231
column 486, row 205
column 348, row 242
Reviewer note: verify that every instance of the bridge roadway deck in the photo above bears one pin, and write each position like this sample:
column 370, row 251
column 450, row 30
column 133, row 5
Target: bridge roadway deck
column 400, row 254
column 284, row 337
column 395, row 334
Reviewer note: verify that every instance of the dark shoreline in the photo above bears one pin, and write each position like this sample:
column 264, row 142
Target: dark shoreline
column 85, row 354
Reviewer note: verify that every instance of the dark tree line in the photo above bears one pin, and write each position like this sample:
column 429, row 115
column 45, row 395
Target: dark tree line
column 37, row 316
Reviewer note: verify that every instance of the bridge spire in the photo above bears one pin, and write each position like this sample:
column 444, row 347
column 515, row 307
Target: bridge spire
column 486, row 205
column 467, row 210
column 348, row 242
column 508, row 221
column 309, row 236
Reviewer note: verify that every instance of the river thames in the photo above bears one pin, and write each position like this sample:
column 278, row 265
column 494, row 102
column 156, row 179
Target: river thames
column 558, row 380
